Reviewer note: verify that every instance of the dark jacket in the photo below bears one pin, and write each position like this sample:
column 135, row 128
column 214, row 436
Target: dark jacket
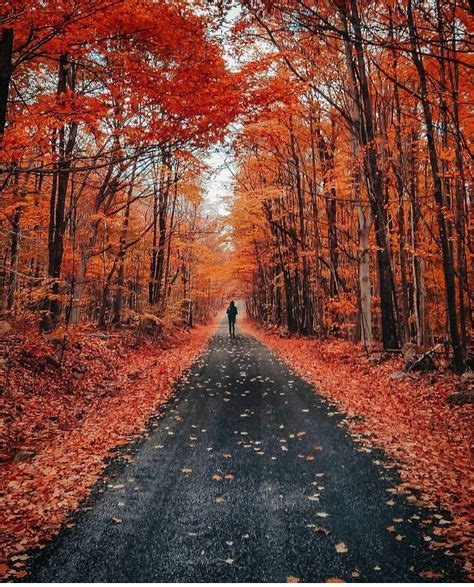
column 232, row 312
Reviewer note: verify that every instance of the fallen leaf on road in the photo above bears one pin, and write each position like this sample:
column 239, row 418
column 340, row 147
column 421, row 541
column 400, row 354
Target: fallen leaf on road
column 322, row 514
column 229, row 561
column 399, row 537
column 186, row 470
column 229, row 477
column 321, row 530
column 219, row 500
column 117, row 520
column 217, row 478
column 355, row 574
column 430, row 575
column 335, row 580
column 291, row 579
column 341, row 548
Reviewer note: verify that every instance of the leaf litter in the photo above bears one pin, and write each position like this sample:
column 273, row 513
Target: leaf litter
column 64, row 423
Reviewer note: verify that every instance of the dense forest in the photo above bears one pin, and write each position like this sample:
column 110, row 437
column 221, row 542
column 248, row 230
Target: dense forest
column 104, row 119
column 351, row 208
column 351, row 165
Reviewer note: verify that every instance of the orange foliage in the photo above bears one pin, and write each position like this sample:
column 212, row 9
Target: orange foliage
column 350, row 209
column 72, row 426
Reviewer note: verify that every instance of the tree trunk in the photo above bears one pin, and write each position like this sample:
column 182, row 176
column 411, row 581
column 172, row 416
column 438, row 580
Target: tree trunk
column 14, row 252
column 160, row 212
column 61, row 171
column 117, row 307
column 366, row 137
column 6, row 49
column 306, row 323
column 166, row 287
column 448, row 266
column 326, row 157
column 365, row 224
column 313, row 186
column 461, row 195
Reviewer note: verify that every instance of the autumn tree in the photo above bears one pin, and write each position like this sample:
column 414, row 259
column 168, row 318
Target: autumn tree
column 104, row 105
column 365, row 175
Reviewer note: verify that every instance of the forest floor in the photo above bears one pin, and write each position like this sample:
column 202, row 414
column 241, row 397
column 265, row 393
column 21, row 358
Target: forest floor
column 64, row 410
column 287, row 457
column 248, row 476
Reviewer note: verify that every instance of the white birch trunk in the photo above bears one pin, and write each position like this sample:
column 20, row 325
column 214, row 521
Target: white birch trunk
column 365, row 224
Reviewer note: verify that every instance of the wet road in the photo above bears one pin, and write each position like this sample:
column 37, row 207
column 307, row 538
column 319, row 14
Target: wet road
column 249, row 476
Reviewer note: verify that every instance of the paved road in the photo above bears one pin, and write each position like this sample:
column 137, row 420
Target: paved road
column 246, row 477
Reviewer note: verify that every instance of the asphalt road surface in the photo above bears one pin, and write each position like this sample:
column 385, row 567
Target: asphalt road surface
column 248, row 476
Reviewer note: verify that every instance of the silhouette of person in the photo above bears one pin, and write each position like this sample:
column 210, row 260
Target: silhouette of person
column 231, row 315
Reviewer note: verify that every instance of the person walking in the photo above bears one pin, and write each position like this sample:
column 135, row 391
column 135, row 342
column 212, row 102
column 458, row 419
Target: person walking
column 231, row 315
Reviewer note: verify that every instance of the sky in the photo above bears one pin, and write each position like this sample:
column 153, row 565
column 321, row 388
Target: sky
column 218, row 184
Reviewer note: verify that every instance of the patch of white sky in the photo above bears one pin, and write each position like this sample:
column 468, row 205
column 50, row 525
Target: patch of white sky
column 219, row 181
